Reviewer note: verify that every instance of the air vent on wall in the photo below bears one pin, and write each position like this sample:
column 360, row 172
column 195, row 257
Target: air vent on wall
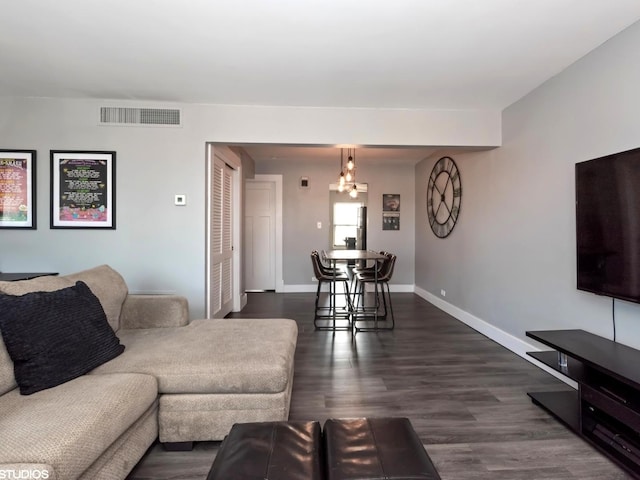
column 165, row 117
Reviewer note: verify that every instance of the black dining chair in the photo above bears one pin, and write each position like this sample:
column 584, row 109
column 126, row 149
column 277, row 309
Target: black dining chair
column 324, row 264
column 325, row 275
column 377, row 265
column 382, row 278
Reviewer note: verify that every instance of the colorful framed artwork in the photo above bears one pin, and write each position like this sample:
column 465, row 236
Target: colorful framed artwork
column 17, row 188
column 83, row 189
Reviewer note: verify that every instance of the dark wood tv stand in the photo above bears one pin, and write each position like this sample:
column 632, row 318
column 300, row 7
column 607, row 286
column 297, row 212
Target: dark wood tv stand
column 605, row 410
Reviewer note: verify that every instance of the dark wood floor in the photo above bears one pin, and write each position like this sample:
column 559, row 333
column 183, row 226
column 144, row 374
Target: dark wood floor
column 465, row 396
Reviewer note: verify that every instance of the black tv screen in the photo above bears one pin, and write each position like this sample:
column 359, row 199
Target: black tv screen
column 608, row 225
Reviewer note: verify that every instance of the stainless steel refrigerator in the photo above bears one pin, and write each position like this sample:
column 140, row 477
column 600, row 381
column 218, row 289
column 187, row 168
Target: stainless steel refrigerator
column 361, row 231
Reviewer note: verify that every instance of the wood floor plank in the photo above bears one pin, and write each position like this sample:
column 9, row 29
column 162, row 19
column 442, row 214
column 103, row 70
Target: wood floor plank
column 465, row 396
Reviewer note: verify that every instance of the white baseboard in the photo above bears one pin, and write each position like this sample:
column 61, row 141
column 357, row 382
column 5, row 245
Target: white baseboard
column 400, row 288
column 243, row 300
column 516, row 345
column 287, row 288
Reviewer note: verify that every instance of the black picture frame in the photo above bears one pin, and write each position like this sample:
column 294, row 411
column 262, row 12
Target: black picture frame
column 18, row 189
column 83, row 189
column 391, row 211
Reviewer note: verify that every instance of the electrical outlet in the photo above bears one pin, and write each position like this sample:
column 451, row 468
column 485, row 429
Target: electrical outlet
column 319, row 225
column 443, row 292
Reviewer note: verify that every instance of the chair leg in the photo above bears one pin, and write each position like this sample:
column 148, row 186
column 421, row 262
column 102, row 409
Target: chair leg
column 376, row 327
column 332, row 302
column 326, row 317
column 315, row 315
column 360, row 294
column 347, row 296
column 393, row 320
column 384, row 301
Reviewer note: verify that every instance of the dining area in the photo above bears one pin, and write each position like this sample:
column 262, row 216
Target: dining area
column 353, row 292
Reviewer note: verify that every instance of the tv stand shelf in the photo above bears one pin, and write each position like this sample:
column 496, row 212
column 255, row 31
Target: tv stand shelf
column 605, row 410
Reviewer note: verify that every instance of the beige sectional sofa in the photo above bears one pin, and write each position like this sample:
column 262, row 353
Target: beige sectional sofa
column 177, row 380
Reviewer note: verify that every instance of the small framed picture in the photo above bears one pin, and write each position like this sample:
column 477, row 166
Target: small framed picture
column 17, row 189
column 83, row 189
column 391, row 202
column 391, row 211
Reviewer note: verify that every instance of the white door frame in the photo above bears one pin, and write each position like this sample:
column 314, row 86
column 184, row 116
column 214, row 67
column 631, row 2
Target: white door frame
column 231, row 159
column 277, row 179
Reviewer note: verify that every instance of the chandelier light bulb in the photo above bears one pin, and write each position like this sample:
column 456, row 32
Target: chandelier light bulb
column 350, row 163
column 347, row 178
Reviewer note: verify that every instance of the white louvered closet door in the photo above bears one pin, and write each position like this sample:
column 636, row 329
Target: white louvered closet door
column 221, row 268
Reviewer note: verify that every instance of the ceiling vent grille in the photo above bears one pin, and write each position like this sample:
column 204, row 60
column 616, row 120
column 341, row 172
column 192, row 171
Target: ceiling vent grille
column 165, row 117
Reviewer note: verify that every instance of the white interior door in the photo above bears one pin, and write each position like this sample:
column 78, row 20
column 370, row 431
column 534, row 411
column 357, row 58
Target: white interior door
column 221, row 239
column 260, row 235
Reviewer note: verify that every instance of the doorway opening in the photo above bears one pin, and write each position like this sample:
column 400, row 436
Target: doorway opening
column 348, row 218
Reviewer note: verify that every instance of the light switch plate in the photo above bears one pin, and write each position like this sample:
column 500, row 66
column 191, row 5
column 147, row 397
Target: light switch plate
column 180, row 200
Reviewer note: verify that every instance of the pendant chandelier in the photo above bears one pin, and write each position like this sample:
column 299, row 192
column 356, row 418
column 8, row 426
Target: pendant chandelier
column 347, row 180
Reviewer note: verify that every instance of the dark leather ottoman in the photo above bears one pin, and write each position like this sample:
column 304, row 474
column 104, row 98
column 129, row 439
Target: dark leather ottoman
column 375, row 449
column 269, row 451
column 350, row 449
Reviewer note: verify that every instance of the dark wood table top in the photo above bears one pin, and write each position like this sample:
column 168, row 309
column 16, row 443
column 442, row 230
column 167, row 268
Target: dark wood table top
column 353, row 255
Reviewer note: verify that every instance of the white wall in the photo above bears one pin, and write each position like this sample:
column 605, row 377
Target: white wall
column 303, row 208
column 511, row 261
column 157, row 246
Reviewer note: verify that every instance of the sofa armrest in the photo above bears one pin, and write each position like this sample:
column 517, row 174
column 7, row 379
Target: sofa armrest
column 152, row 311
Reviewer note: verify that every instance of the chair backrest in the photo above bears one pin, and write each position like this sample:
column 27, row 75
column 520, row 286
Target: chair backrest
column 387, row 268
column 315, row 262
column 325, row 264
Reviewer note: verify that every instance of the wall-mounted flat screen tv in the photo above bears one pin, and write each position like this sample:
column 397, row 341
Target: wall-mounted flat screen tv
column 608, row 225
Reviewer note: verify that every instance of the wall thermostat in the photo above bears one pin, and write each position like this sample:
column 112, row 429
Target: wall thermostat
column 304, row 182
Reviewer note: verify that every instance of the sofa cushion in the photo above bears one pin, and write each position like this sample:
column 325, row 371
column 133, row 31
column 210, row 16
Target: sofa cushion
column 110, row 288
column 53, row 337
column 212, row 356
column 70, row 426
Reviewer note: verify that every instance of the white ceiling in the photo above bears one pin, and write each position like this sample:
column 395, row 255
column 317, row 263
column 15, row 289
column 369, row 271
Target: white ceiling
column 402, row 53
column 435, row 54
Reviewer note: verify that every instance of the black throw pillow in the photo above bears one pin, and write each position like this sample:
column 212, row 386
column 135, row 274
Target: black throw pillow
column 54, row 337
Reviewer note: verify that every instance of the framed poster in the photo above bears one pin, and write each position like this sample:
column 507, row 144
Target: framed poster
column 83, row 189
column 17, row 189
column 391, row 211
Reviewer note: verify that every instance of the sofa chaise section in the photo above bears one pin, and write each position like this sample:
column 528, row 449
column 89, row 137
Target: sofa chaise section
column 85, row 428
column 213, row 373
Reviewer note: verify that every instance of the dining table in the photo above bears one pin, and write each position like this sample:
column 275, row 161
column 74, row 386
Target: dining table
column 342, row 255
